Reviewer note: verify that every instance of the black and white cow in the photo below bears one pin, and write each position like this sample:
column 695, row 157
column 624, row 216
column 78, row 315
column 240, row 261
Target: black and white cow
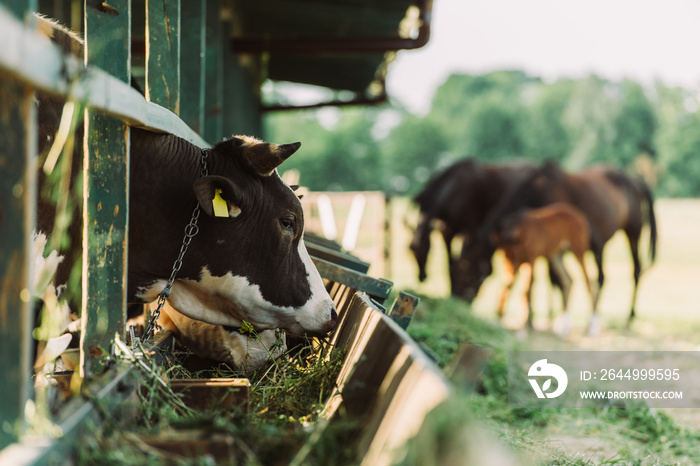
column 250, row 265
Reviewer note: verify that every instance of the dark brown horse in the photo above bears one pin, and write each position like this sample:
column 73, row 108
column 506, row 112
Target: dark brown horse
column 462, row 196
column 547, row 232
column 610, row 199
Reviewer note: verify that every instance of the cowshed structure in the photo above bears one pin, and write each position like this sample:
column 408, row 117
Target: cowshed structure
column 192, row 69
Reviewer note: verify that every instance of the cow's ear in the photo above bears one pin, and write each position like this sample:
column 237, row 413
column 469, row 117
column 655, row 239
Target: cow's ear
column 218, row 196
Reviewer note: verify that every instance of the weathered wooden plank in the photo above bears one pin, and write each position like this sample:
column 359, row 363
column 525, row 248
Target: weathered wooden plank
column 106, row 194
column 336, row 257
column 163, row 53
column 386, row 382
column 17, row 221
column 192, row 56
column 220, row 394
column 41, row 64
column 214, row 74
column 377, row 288
column 403, row 308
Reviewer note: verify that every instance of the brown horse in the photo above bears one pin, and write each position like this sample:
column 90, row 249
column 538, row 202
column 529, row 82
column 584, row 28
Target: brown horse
column 548, row 232
column 461, row 197
column 610, row 199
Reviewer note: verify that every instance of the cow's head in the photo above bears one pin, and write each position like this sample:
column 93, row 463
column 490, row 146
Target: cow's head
column 248, row 262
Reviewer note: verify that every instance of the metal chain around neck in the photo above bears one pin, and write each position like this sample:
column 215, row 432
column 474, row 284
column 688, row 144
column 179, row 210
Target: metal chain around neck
column 191, row 231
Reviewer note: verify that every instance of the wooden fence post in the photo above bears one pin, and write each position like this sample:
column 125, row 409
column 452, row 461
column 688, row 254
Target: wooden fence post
column 192, row 54
column 105, row 193
column 241, row 74
column 163, row 53
column 214, row 77
column 17, row 221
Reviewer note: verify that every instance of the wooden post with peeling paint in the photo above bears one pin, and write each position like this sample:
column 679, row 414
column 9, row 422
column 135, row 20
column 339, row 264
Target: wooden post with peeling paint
column 17, row 221
column 214, row 74
column 242, row 112
column 163, row 53
column 193, row 56
column 106, row 194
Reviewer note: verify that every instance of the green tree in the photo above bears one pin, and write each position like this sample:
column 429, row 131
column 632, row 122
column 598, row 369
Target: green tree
column 494, row 131
column 305, row 127
column 341, row 155
column 413, row 150
column 544, row 133
column 634, row 125
column 678, row 142
column 458, row 102
column 588, row 122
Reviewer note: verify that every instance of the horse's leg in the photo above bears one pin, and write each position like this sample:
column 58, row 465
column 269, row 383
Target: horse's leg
column 556, row 283
column 633, row 239
column 508, row 268
column 447, row 236
column 598, row 254
column 563, row 324
column 594, row 324
column 528, row 275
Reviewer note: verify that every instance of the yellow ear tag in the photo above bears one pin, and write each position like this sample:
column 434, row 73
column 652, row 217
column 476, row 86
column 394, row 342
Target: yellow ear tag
column 220, row 205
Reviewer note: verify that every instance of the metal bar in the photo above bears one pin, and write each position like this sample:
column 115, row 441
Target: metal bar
column 358, row 99
column 36, row 61
column 327, row 45
column 192, row 55
column 106, row 194
column 17, row 222
column 163, row 53
column 335, row 45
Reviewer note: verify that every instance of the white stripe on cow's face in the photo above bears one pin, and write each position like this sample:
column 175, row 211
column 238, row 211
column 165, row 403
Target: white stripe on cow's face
column 230, row 300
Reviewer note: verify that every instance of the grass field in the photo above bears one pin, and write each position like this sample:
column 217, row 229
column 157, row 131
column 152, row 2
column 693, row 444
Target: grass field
column 668, row 301
column 668, row 318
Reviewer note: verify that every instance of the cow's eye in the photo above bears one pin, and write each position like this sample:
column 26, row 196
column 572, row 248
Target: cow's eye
column 287, row 223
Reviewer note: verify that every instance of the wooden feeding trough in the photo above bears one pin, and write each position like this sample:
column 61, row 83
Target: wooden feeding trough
column 213, row 394
column 194, row 443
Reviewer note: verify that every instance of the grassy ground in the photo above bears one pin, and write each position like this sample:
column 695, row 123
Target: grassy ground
column 632, row 434
column 667, row 319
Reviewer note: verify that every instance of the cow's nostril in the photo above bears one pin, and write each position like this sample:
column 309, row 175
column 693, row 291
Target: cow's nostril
column 334, row 314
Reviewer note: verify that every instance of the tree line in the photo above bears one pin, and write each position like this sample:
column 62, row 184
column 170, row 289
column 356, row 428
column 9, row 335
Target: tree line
column 653, row 131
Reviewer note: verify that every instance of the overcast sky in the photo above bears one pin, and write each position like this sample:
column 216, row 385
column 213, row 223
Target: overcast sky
column 639, row 39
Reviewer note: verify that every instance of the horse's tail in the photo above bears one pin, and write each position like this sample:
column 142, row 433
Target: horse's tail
column 651, row 219
column 636, row 186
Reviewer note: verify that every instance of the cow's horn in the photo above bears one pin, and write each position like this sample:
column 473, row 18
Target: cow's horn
column 264, row 158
